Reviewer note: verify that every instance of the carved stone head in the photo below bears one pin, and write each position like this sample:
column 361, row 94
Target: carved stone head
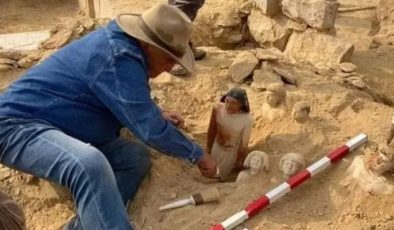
column 257, row 160
column 276, row 95
column 291, row 163
column 379, row 162
column 301, row 111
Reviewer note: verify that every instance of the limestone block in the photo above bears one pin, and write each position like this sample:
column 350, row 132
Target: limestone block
column 61, row 34
column 308, row 47
column 23, row 41
column 243, row 66
column 347, row 67
column 269, row 32
column 285, row 75
column 263, row 79
column 383, row 27
column 220, row 24
column 270, row 54
column 319, row 14
column 385, row 13
column 269, row 7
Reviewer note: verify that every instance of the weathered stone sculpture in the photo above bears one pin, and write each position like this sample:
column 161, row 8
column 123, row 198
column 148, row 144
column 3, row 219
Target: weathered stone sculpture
column 291, row 163
column 275, row 105
column 254, row 163
column 301, row 111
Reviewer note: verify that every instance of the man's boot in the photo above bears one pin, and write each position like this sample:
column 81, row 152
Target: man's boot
column 198, row 54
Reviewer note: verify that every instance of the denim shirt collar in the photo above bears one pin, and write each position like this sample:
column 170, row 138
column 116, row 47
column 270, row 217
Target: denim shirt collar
column 115, row 32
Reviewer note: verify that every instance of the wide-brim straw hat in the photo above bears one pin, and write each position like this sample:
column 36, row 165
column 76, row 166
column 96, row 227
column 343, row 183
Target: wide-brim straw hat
column 165, row 27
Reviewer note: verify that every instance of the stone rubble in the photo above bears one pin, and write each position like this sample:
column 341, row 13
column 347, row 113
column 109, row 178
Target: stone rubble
column 243, row 66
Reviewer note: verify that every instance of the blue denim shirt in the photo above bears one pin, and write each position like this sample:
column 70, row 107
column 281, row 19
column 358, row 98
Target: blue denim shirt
column 93, row 87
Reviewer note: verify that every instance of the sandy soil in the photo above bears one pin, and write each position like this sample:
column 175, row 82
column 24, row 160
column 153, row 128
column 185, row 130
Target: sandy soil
column 322, row 203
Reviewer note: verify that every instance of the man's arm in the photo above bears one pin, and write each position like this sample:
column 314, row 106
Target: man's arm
column 126, row 93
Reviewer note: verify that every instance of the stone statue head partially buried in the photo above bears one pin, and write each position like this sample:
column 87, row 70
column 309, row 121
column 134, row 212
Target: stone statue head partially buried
column 254, row 163
column 291, row 163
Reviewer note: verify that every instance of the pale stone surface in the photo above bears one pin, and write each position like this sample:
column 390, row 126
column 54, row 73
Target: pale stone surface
column 270, row 54
column 347, row 67
column 385, row 21
column 164, row 79
column 285, row 75
column 60, row 36
column 221, row 23
column 358, row 83
column 307, row 47
column 344, row 75
column 263, row 79
column 97, row 8
column 243, row 66
column 23, row 41
column 368, row 181
column 269, row 32
column 385, row 12
column 269, row 7
column 319, row 14
column 87, row 23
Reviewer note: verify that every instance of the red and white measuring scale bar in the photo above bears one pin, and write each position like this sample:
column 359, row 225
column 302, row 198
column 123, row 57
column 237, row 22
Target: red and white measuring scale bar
column 294, row 181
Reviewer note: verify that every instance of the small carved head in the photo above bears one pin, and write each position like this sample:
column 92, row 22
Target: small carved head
column 379, row 162
column 301, row 111
column 291, row 163
column 276, row 95
column 257, row 160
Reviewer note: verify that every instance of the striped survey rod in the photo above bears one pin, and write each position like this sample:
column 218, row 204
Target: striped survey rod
column 294, row 181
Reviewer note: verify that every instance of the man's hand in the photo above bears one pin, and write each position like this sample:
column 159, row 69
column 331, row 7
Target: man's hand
column 174, row 117
column 207, row 165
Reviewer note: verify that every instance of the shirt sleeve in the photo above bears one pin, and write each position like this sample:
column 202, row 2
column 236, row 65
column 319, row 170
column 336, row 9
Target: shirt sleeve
column 124, row 89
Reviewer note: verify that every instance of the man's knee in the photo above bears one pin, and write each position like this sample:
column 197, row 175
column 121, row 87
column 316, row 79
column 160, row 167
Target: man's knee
column 93, row 163
column 144, row 157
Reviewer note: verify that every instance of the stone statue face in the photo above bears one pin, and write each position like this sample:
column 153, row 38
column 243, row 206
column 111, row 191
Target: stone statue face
column 301, row 115
column 232, row 105
column 379, row 163
column 273, row 99
column 256, row 162
column 289, row 167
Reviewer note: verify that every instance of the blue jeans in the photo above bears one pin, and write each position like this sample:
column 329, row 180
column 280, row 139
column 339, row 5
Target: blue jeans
column 101, row 179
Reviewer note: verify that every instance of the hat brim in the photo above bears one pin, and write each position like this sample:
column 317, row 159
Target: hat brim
column 129, row 24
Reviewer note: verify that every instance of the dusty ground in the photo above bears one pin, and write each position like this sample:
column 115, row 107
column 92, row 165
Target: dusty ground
column 322, row 203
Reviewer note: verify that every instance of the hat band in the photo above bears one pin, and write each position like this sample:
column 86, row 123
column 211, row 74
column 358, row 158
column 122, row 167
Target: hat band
column 156, row 39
